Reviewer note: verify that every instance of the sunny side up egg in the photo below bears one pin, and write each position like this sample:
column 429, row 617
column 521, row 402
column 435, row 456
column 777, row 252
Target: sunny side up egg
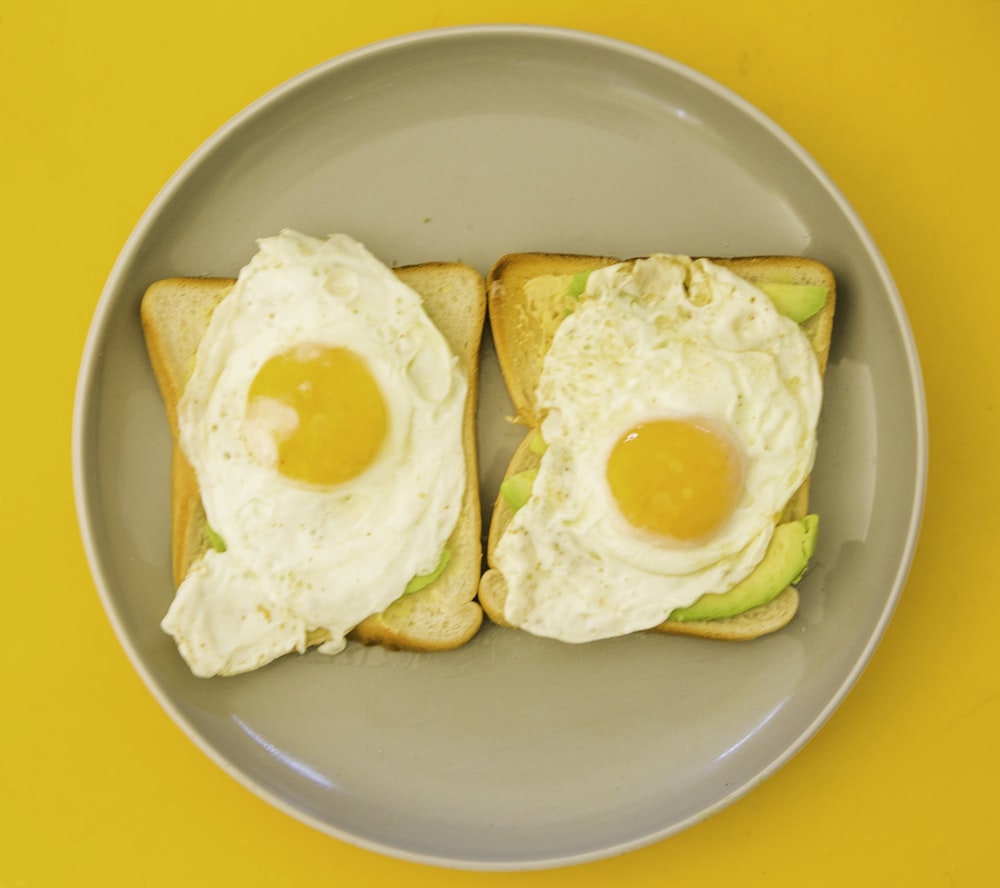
column 680, row 416
column 324, row 422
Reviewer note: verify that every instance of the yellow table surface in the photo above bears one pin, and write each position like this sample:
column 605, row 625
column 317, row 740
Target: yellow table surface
column 101, row 101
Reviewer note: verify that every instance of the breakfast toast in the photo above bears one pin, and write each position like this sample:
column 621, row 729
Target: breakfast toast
column 442, row 615
column 524, row 320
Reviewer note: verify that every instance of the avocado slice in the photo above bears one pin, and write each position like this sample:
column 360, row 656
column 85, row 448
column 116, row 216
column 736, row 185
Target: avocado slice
column 418, row 582
column 784, row 563
column 798, row 301
column 214, row 540
column 517, row 488
column 558, row 293
column 577, row 284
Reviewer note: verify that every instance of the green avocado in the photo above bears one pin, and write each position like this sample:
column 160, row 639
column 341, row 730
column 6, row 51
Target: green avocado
column 798, row 301
column 418, row 582
column 558, row 293
column 784, row 563
column 577, row 284
column 517, row 488
column 214, row 540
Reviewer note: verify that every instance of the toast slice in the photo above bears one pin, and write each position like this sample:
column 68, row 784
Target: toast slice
column 524, row 321
column 443, row 614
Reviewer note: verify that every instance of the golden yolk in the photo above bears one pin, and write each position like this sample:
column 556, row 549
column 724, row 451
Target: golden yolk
column 316, row 413
column 675, row 478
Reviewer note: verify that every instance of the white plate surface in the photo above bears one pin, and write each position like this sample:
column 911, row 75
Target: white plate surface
column 513, row 752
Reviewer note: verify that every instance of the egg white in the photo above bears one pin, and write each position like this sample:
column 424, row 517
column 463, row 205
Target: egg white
column 665, row 337
column 300, row 557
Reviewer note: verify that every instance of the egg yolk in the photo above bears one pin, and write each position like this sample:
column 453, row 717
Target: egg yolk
column 678, row 479
column 317, row 414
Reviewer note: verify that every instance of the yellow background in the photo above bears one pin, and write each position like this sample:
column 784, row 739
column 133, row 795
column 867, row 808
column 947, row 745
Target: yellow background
column 101, row 101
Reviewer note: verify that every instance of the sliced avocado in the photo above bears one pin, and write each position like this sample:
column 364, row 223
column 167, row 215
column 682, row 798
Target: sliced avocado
column 418, row 582
column 214, row 540
column 798, row 301
column 537, row 444
column 558, row 293
column 577, row 284
column 549, row 289
column 784, row 563
column 517, row 488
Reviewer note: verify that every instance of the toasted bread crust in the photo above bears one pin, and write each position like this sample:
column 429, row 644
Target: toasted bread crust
column 523, row 333
column 444, row 614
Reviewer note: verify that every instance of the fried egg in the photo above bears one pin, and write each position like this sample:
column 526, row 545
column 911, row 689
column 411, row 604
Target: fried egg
column 323, row 419
column 680, row 411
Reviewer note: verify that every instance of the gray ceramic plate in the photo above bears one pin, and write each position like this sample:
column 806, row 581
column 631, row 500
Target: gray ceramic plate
column 513, row 752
